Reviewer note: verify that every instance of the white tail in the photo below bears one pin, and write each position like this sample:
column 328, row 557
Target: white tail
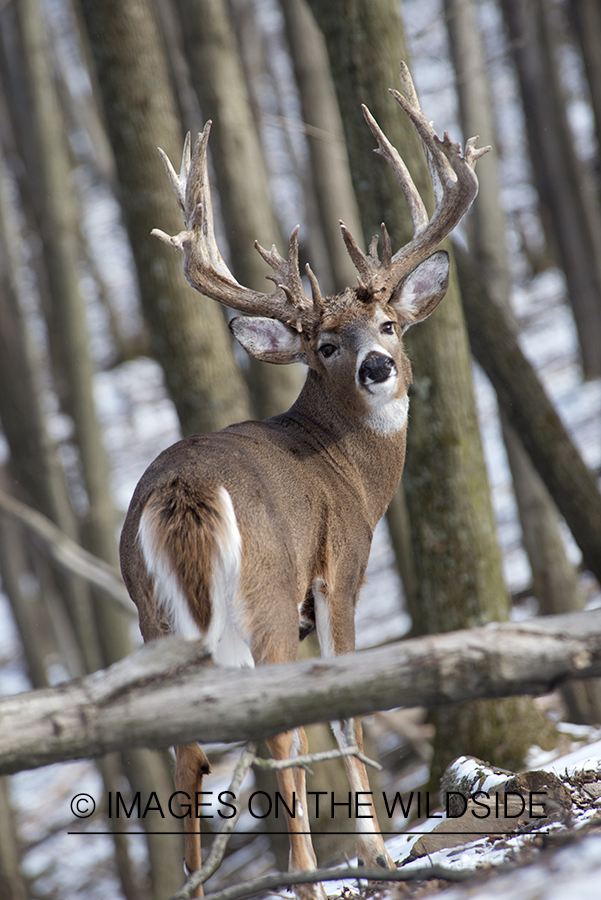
column 251, row 538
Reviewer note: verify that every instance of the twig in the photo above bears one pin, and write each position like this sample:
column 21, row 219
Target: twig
column 308, row 758
column 287, row 879
column 67, row 554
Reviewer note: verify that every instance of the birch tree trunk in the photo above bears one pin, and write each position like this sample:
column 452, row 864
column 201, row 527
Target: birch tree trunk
column 458, row 565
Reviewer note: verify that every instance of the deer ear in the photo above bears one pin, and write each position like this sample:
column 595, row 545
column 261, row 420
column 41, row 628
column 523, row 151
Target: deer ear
column 268, row 340
column 422, row 290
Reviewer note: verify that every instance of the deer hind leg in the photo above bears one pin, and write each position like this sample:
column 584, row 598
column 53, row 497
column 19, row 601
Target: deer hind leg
column 190, row 548
column 292, row 786
column 190, row 767
column 333, row 641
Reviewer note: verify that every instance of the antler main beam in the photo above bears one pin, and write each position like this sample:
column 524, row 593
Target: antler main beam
column 455, row 186
column 205, row 268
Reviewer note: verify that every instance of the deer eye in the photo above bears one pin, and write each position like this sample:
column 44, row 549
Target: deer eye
column 327, row 350
column 388, row 328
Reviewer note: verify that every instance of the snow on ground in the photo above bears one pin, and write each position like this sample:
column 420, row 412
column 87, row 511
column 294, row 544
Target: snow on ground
column 528, row 872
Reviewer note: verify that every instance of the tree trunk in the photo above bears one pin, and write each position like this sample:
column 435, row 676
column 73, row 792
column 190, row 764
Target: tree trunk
column 12, row 883
column 325, row 136
column 60, row 234
column 586, row 16
column 181, row 77
column 263, row 77
column 189, row 333
column 34, row 463
column 457, row 559
column 335, row 199
column 522, row 398
column 570, row 207
column 28, row 611
column 236, row 153
column 555, row 581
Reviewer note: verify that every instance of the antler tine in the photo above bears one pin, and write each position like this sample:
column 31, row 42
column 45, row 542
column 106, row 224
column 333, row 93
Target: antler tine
column 193, row 192
column 358, row 257
column 198, row 215
column 318, row 301
column 386, row 246
column 419, row 216
column 204, row 266
column 178, row 182
column 444, row 157
column 453, row 175
column 286, row 274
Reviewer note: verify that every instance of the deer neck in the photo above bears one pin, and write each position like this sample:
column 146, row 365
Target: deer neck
column 368, row 458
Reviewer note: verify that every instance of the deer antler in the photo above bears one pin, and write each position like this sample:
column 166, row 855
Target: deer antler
column 455, row 187
column 204, row 266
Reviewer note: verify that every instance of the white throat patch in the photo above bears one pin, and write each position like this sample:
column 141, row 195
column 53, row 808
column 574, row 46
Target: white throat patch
column 389, row 417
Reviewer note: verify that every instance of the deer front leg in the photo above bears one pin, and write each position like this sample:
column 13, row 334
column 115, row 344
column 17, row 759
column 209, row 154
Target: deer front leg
column 292, row 786
column 371, row 849
column 335, row 626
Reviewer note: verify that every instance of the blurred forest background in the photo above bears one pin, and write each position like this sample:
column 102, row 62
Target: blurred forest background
column 107, row 356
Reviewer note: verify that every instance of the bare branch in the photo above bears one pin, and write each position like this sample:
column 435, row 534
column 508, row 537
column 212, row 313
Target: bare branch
column 287, row 879
column 66, row 554
column 309, row 758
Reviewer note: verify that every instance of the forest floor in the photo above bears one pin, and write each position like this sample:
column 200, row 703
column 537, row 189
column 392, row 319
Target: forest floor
column 550, row 852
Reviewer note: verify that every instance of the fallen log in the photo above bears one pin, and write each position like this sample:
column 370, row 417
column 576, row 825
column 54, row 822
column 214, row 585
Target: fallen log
column 168, row 692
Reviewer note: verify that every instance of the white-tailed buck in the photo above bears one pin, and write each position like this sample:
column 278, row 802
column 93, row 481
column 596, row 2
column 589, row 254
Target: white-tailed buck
column 251, row 538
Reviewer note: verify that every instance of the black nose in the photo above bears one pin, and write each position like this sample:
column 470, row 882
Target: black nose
column 376, row 367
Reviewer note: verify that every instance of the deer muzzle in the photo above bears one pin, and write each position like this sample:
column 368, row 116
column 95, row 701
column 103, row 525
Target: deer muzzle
column 376, row 367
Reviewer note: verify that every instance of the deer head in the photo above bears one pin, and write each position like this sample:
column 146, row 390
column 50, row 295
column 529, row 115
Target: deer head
column 392, row 293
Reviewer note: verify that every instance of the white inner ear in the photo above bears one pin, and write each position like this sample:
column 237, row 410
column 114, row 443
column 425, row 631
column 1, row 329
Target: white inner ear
column 422, row 288
column 261, row 336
